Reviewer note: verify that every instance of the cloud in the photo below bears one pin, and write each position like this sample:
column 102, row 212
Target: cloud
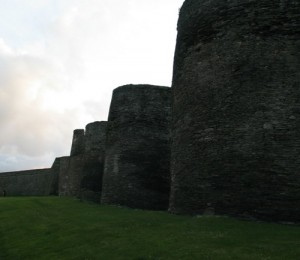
column 31, row 128
column 60, row 61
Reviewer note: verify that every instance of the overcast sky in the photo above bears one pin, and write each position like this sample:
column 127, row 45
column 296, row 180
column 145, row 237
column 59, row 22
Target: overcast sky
column 60, row 61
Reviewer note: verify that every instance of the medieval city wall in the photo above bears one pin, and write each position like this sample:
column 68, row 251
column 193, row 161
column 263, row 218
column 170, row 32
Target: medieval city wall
column 225, row 141
column 91, row 179
column 137, row 172
column 39, row 182
column 80, row 174
column 236, row 86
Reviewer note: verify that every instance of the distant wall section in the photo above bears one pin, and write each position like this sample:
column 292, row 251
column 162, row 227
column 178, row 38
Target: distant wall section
column 80, row 174
column 92, row 172
column 41, row 182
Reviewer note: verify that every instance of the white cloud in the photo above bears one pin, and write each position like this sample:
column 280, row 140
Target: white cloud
column 30, row 130
column 60, row 61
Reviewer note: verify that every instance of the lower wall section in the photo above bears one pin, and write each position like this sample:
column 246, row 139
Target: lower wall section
column 80, row 176
column 70, row 175
column 39, row 182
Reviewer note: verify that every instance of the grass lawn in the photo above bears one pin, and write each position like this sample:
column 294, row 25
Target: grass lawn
column 66, row 228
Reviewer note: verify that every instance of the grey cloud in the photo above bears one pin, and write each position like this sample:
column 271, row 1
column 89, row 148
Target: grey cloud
column 30, row 132
column 63, row 78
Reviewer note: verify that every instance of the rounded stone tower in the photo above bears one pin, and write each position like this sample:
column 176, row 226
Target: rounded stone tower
column 95, row 134
column 236, row 114
column 92, row 172
column 137, row 171
column 77, row 142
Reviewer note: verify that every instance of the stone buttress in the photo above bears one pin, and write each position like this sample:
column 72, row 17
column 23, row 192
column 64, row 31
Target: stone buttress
column 136, row 170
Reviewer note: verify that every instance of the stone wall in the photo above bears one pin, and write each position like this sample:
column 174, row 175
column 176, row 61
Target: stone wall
column 59, row 165
column 236, row 122
column 77, row 142
column 137, row 151
column 39, row 182
column 64, row 178
column 80, row 174
column 95, row 134
column 91, row 178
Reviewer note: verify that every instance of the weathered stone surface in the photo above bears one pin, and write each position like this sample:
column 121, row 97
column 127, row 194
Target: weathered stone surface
column 136, row 172
column 60, row 166
column 28, row 183
column 236, row 122
column 80, row 174
column 77, row 142
column 95, row 134
column 91, row 179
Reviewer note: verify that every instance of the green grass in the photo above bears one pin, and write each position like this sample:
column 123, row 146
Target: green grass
column 65, row 228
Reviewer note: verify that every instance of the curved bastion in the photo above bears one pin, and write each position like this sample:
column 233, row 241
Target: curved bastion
column 236, row 109
column 91, row 180
column 80, row 174
column 137, row 172
column 77, row 147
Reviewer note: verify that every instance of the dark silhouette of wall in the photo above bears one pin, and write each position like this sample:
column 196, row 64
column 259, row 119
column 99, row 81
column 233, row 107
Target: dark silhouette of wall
column 40, row 182
column 236, row 137
column 60, row 167
column 137, row 151
column 70, row 169
column 91, row 179
column 77, row 142
column 95, row 134
column 235, row 127
column 80, row 174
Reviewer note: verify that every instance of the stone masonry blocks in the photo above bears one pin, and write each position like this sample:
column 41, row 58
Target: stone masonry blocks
column 91, row 179
column 136, row 172
column 236, row 107
column 77, row 142
column 81, row 173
